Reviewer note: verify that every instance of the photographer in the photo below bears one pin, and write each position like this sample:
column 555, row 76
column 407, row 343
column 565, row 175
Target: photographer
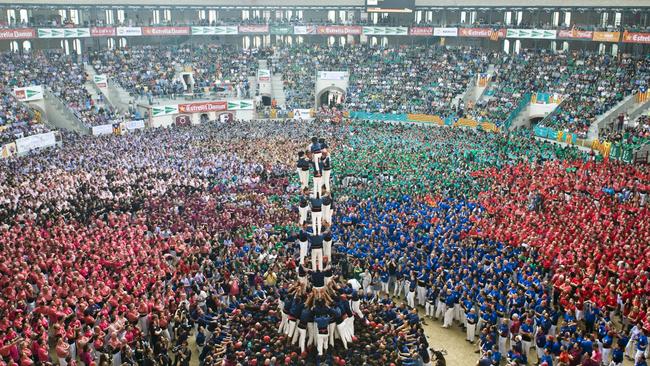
column 182, row 354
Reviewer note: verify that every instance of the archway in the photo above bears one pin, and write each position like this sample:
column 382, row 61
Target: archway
column 331, row 97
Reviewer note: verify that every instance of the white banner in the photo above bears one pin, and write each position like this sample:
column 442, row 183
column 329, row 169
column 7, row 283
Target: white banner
column 101, row 80
column 445, row 32
column 129, row 31
column 332, row 75
column 102, row 130
column 302, row 114
column 134, row 125
column 29, row 93
column 32, row 142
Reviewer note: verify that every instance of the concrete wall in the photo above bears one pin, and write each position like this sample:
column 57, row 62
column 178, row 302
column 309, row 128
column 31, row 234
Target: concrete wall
column 540, row 110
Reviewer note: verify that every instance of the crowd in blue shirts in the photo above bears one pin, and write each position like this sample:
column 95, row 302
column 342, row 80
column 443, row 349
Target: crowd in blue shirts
column 433, row 255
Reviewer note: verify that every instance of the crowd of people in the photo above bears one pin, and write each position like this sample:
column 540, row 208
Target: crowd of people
column 64, row 76
column 398, row 80
column 126, row 249
column 156, row 72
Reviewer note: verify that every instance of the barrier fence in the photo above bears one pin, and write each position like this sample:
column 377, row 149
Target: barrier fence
column 424, row 118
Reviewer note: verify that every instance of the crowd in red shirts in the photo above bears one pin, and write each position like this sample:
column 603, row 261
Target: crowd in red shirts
column 590, row 227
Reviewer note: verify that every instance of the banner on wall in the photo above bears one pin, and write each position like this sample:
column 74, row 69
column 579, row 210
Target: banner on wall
column 100, row 80
column 208, row 31
column 255, row 28
column 236, row 105
column 29, row 93
column 129, row 31
column 385, row 31
column 8, row 150
column 103, row 31
column 606, row 36
column 63, row 32
column 21, row 33
column 532, row 33
column 165, row 31
column 134, row 125
column 421, row 31
column 102, row 130
column 332, row 75
column 281, row 29
column 202, row 107
column 302, row 114
column 482, row 33
column 574, row 34
column 636, row 37
column 339, row 30
column 304, row 29
column 263, row 75
column 32, row 142
column 164, row 110
column 445, row 32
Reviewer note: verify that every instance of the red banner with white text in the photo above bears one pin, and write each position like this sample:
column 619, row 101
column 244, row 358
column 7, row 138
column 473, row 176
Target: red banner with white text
column 165, row 31
column 19, row 33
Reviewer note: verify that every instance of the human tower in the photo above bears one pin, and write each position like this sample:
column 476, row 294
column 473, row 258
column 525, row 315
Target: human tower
column 315, row 309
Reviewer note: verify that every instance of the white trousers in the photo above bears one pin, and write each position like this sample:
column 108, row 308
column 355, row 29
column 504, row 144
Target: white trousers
column 429, row 309
column 527, row 345
column 356, row 308
column 449, row 317
column 327, row 214
column 327, row 250
column 630, row 347
column 317, row 259
column 316, row 157
column 441, row 309
column 502, row 345
column 316, row 222
column 471, row 329
column 399, row 285
column 326, row 179
column 303, row 249
column 607, row 355
column 410, row 299
column 302, row 338
column 321, row 343
column 291, row 327
column 303, row 211
column 312, row 331
column 318, row 187
column 422, row 295
column 540, row 352
column 283, row 324
column 303, row 175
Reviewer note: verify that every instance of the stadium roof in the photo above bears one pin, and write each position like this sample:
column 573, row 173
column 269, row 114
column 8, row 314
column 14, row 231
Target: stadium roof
column 334, row 3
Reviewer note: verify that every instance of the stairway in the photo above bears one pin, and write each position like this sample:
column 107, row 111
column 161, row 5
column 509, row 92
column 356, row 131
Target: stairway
column 522, row 120
column 604, row 119
column 60, row 116
column 277, row 89
column 475, row 92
